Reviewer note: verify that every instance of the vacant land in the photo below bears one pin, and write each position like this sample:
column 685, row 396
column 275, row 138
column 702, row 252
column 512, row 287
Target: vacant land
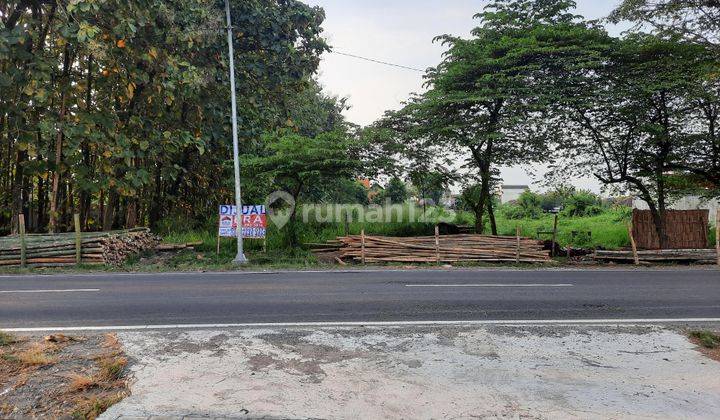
column 59, row 376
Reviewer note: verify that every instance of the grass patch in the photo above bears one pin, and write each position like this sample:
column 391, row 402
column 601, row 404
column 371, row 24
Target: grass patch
column 111, row 368
column 36, row 355
column 80, row 383
column 93, row 407
column 706, row 339
column 6, row 339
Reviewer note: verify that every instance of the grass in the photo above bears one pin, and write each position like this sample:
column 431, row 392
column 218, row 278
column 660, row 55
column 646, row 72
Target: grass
column 608, row 230
column 706, row 339
column 111, row 368
column 80, row 383
column 36, row 355
column 6, row 339
column 93, row 407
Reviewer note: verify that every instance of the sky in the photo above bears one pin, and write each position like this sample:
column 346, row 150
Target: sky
column 402, row 32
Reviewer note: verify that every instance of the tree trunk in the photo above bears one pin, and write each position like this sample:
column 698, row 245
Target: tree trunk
column 59, row 144
column 109, row 216
column 17, row 190
column 491, row 215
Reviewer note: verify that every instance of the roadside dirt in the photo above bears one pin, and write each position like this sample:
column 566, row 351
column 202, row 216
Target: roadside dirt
column 59, row 376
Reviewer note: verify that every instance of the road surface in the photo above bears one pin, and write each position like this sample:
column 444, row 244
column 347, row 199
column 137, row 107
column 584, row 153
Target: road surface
column 102, row 300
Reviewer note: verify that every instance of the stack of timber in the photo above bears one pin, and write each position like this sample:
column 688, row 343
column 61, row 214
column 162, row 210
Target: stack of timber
column 57, row 250
column 664, row 255
column 431, row 249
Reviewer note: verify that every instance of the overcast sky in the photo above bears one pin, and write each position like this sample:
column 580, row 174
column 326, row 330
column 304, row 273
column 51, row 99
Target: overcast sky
column 401, row 32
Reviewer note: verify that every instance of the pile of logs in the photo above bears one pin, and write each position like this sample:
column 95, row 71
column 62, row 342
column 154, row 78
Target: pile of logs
column 434, row 249
column 708, row 256
column 64, row 249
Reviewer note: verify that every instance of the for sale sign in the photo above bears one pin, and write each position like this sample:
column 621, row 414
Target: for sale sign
column 253, row 222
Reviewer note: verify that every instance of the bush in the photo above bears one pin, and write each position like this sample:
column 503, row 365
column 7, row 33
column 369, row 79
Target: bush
column 528, row 206
column 583, row 204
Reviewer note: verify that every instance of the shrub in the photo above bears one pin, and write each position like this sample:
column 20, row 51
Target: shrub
column 528, row 206
column 583, row 204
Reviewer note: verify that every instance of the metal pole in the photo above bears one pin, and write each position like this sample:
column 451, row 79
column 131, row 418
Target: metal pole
column 240, row 258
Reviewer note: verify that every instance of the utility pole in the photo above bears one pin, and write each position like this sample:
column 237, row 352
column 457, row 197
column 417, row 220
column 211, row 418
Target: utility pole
column 240, row 258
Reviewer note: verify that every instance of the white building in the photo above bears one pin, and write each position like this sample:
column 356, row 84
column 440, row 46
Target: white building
column 510, row 193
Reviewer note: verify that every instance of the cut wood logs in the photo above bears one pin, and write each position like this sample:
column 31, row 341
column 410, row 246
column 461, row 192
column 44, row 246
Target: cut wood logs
column 665, row 255
column 110, row 248
column 447, row 249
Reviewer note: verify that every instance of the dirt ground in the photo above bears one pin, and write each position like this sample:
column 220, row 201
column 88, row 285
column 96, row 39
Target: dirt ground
column 60, row 376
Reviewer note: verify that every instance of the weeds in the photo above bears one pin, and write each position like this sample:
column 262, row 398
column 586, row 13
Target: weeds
column 81, row 383
column 111, row 368
column 36, row 355
column 95, row 406
column 706, row 339
column 6, row 339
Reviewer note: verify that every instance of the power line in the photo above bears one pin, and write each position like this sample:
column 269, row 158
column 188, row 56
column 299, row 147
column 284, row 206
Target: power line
column 372, row 60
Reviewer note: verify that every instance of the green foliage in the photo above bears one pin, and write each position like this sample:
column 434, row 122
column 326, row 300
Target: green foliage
column 582, row 204
column 707, row 339
column 395, row 191
column 134, row 97
column 528, row 206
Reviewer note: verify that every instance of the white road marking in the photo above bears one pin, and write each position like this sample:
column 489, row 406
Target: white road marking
column 544, row 322
column 489, row 285
column 50, row 291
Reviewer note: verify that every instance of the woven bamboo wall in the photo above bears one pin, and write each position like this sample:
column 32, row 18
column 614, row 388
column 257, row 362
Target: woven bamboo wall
column 686, row 229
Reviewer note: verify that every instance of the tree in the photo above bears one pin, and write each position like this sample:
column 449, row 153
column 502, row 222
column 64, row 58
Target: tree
column 119, row 110
column 695, row 20
column 295, row 162
column 488, row 100
column 628, row 115
column 396, row 191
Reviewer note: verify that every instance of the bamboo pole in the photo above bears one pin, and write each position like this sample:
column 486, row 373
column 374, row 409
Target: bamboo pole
column 517, row 248
column 23, row 245
column 717, row 236
column 78, row 239
column 437, row 244
column 554, row 239
column 362, row 235
column 634, row 245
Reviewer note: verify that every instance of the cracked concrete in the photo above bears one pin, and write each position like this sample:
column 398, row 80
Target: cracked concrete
column 421, row 372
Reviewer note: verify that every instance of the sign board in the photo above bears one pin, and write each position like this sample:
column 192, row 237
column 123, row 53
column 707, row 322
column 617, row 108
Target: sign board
column 253, row 222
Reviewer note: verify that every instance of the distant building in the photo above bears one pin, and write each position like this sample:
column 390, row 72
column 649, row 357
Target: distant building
column 509, row 193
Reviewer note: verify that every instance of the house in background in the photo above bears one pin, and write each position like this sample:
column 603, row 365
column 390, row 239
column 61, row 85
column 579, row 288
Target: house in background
column 509, row 193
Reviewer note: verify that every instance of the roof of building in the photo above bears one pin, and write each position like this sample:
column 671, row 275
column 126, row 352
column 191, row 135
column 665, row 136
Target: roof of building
column 516, row 187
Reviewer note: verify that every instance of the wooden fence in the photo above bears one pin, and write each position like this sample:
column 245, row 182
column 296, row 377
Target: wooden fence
column 686, row 229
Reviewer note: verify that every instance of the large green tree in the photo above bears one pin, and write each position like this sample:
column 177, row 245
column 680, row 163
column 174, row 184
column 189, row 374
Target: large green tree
column 487, row 102
column 119, row 110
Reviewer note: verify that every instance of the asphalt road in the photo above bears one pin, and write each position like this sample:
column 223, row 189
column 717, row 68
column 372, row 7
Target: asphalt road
column 171, row 299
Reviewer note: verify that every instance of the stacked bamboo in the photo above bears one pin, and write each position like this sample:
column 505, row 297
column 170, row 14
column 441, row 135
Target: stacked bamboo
column 664, row 255
column 435, row 249
column 57, row 250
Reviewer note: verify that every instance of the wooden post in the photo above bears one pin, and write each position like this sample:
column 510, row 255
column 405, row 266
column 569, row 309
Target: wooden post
column 437, row 244
column 218, row 245
column 23, row 245
column 517, row 249
column 362, row 240
column 78, row 239
column 634, row 245
column 554, row 239
column 717, row 236
column 346, row 223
